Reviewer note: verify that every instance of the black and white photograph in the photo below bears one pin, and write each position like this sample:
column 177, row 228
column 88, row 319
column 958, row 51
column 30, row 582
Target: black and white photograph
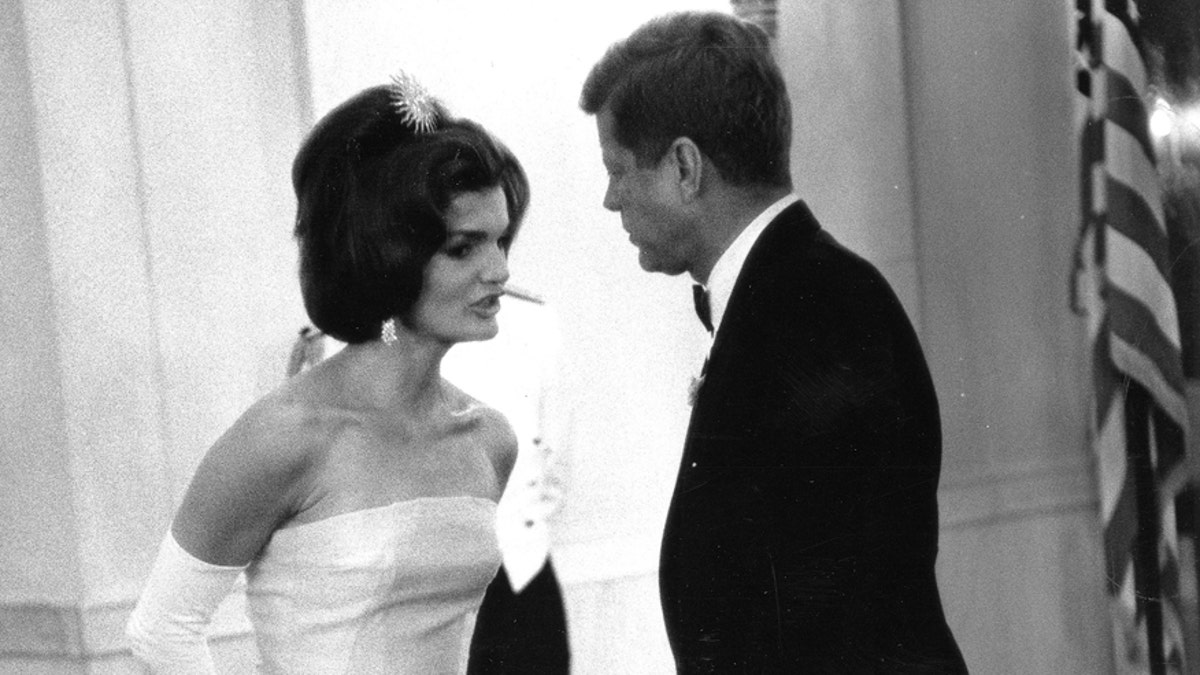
column 636, row 337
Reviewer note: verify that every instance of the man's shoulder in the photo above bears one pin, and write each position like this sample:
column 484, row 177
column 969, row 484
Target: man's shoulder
column 796, row 234
column 801, row 277
column 795, row 247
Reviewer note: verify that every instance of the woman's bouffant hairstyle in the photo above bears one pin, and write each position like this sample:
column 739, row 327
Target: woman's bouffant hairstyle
column 705, row 75
column 372, row 196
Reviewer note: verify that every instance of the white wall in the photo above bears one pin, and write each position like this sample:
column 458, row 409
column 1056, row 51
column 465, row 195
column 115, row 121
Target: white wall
column 33, row 480
column 144, row 159
column 995, row 162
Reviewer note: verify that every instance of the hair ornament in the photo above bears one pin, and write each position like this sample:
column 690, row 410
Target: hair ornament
column 414, row 103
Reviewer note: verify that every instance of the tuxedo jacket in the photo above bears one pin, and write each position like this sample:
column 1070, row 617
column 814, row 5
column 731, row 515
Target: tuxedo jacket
column 802, row 533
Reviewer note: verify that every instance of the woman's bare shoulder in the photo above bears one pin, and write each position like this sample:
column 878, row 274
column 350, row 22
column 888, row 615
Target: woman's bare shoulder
column 279, row 436
column 260, row 472
column 281, row 418
column 489, row 419
column 492, row 429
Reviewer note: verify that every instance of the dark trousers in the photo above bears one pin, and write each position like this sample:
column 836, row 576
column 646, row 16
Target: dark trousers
column 521, row 633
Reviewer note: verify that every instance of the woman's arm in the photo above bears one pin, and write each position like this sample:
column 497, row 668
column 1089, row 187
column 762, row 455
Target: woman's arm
column 247, row 483
column 501, row 444
column 166, row 630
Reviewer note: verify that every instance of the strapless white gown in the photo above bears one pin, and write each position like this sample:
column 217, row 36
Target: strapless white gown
column 384, row 590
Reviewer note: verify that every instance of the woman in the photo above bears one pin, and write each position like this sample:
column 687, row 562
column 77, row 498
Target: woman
column 359, row 497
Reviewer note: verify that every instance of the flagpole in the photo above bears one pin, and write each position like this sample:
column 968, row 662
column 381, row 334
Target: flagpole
column 1147, row 575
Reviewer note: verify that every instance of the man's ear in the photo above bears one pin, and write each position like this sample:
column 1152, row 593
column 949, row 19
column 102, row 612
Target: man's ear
column 689, row 164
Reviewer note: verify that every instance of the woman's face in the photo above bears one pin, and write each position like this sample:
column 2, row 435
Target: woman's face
column 465, row 278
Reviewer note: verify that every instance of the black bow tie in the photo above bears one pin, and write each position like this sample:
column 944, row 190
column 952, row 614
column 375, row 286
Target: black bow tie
column 703, row 310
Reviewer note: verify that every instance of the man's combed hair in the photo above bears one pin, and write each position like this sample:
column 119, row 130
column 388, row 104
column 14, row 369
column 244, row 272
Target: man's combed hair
column 372, row 198
column 708, row 76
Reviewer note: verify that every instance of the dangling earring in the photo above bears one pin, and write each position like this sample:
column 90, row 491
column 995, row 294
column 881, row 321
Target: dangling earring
column 387, row 332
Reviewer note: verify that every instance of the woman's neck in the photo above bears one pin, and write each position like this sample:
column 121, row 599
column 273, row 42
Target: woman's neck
column 403, row 376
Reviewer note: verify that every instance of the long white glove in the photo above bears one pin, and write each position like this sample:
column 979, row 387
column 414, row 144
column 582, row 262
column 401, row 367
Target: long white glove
column 166, row 630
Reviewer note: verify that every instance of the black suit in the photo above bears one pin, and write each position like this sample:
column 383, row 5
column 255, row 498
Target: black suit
column 802, row 534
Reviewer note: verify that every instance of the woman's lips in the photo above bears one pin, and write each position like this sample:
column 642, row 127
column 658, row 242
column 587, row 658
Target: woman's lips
column 488, row 306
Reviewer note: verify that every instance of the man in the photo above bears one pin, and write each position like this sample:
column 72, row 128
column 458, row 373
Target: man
column 802, row 534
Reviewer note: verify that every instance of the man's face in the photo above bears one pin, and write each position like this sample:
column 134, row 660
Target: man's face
column 648, row 200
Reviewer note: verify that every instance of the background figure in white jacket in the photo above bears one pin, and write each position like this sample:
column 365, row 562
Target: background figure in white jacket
column 521, row 626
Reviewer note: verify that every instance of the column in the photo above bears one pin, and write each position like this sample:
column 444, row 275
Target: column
column 149, row 291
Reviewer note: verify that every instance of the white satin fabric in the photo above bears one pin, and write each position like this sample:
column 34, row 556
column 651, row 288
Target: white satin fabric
column 391, row 589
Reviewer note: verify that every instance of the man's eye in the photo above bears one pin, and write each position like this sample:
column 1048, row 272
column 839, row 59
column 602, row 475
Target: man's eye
column 459, row 250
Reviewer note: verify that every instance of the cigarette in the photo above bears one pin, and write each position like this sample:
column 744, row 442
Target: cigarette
column 522, row 294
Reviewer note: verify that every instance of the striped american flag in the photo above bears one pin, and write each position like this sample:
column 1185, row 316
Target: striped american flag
column 1122, row 284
